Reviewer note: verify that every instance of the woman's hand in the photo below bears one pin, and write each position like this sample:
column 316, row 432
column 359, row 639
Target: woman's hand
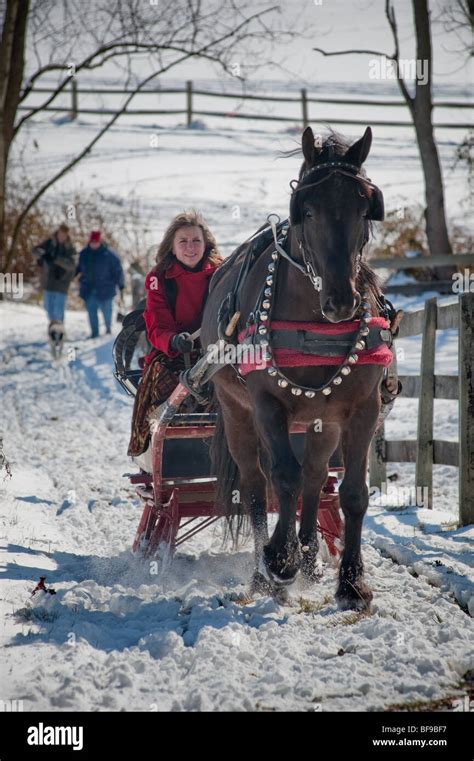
column 182, row 342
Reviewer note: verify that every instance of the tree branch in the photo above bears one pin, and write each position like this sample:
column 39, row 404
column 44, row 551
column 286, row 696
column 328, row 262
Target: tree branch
column 348, row 52
column 390, row 14
column 200, row 53
column 118, row 48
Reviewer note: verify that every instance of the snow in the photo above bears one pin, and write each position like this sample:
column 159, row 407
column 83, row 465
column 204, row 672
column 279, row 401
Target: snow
column 120, row 636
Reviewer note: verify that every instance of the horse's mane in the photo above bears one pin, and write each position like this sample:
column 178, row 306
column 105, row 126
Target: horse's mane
column 333, row 144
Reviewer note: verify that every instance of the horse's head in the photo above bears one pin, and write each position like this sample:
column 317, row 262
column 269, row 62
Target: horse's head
column 330, row 210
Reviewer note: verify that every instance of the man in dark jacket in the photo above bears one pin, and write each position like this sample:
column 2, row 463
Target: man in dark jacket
column 101, row 274
column 57, row 259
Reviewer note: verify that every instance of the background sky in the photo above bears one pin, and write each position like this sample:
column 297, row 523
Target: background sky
column 338, row 25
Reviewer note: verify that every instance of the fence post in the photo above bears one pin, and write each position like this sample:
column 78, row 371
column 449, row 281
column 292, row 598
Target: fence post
column 73, row 98
column 377, row 463
column 466, row 409
column 304, row 106
column 189, row 101
column 424, row 455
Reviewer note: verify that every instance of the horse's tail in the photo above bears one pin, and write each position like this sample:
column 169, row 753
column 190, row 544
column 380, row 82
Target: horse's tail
column 227, row 494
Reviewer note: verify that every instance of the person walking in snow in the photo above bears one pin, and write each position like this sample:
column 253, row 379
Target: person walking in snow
column 57, row 259
column 101, row 274
column 176, row 292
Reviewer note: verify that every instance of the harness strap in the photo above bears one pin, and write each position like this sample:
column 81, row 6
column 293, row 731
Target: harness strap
column 307, row 342
column 281, row 250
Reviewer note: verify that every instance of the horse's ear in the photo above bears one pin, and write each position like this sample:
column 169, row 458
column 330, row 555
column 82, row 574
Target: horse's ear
column 307, row 144
column 358, row 152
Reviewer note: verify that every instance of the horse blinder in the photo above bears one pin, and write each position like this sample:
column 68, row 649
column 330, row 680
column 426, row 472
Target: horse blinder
column 376, row 208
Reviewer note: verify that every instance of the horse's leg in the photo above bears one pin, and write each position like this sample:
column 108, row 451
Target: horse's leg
column 282, row 553
column 352, row 592
column 243, row 446
column 319, row 447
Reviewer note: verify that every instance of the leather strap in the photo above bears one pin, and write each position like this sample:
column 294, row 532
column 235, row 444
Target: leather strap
column 307, row 342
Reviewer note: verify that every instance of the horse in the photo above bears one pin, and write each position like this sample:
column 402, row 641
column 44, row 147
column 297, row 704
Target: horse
column 316, row 278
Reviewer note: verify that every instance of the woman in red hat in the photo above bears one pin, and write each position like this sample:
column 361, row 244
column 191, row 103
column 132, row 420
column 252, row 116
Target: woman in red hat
column 176, row 291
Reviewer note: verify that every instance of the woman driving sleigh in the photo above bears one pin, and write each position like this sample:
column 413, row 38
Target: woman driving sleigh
column 176, row 292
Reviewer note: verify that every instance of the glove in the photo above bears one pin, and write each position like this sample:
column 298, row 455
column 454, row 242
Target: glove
column 182, row 342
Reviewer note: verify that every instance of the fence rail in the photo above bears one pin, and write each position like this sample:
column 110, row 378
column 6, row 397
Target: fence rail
column 426, row 451
column 415, row 262
column 190, row 112
column 422, row 262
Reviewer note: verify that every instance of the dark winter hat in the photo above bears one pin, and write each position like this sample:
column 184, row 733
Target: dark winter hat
column 95, row 236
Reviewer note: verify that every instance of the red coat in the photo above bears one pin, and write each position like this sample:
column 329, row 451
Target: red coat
column 161, row 324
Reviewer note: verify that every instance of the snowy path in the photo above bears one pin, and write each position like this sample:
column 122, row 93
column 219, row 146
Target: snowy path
column 117, row 637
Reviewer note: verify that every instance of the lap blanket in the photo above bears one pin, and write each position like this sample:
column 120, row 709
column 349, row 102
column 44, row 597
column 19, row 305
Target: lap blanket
column 158, row 381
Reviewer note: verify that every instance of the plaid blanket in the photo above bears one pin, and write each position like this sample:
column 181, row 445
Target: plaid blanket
column 158, row 381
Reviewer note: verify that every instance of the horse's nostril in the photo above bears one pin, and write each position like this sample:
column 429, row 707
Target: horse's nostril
column 329, row 306
column 337, row 310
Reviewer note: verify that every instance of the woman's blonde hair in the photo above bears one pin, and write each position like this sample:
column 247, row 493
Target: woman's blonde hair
column 192, row 218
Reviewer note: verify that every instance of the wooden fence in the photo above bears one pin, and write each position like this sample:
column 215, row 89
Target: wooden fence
column 190, row 111
column 422, row 262
column 425, row 450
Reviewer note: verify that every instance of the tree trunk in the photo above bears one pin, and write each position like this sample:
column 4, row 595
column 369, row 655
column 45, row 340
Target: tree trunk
column 422, row 110
column 436, row 229
column 12, row 60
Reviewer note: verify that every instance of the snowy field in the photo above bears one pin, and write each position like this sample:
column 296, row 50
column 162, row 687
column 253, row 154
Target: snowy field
column 231, row 169
column 117, row 637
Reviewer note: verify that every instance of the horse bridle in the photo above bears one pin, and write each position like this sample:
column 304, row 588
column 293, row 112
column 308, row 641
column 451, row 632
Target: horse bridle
column 335, row 167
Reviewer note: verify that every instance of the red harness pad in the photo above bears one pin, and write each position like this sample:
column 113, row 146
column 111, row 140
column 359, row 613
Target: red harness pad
column 380, row 355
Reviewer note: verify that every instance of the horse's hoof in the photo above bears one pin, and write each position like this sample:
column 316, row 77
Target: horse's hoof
column 311, row 572
column 261, row 586
column 281, row 595
column 282, row 567
column 354, row 596
column 311, row 569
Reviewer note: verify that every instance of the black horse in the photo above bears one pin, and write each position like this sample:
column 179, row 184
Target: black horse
column 315, row 275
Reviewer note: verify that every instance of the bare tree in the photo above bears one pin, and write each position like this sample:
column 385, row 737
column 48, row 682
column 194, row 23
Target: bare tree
column 421, row 107
column 14, row 18
column 458, row 18
column 122, row 31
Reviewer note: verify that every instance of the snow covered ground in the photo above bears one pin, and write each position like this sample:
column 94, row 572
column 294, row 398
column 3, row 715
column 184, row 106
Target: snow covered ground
column 116, row 636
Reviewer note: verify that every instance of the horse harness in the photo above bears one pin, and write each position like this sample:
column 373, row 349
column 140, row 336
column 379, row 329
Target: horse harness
column 360, row 339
